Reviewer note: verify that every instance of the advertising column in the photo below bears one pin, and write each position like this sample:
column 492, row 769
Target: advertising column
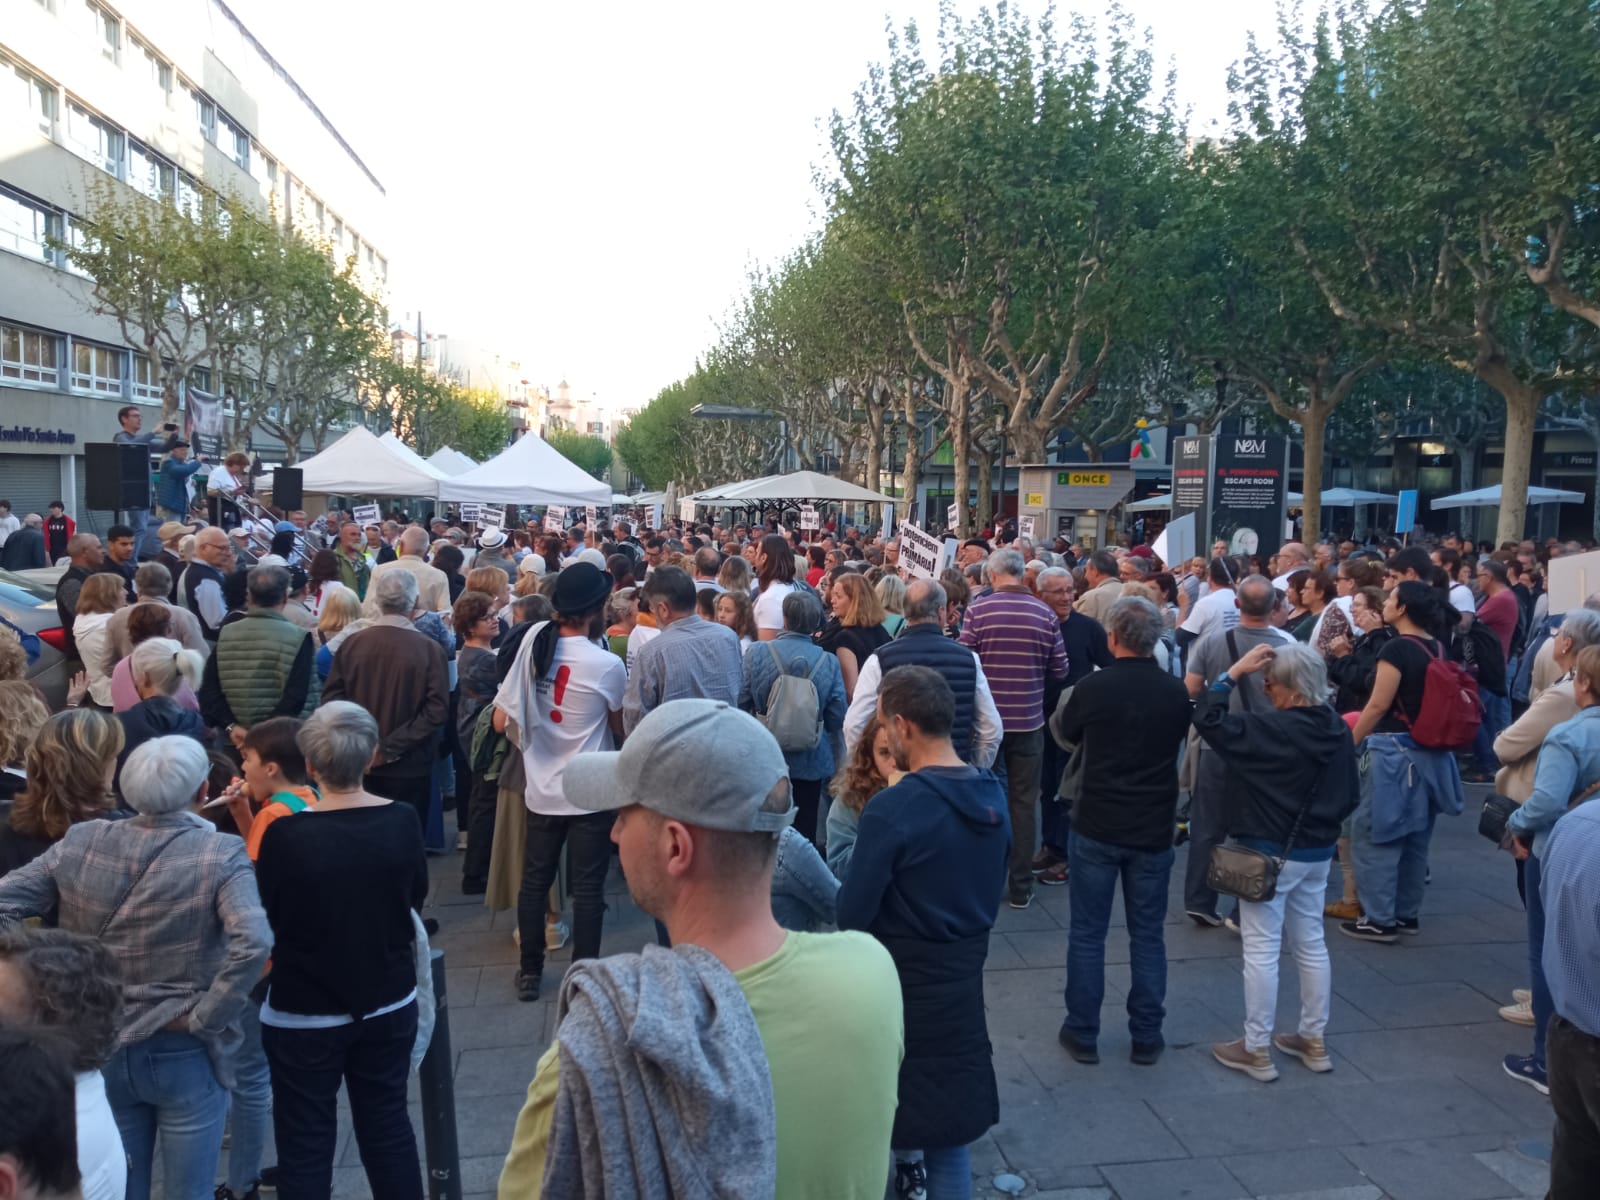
column 1249, row 493
column 1191, row 486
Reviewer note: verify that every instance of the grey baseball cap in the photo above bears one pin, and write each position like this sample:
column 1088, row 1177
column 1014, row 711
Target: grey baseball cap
column 697, row 761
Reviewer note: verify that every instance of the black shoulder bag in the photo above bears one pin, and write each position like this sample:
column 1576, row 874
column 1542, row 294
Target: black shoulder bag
column 1251, row 874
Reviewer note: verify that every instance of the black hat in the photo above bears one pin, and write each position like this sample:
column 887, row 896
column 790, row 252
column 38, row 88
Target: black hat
column 580, row 587
column 180, row 442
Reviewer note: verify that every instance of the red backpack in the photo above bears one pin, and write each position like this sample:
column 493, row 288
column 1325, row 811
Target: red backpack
column 1451, row 711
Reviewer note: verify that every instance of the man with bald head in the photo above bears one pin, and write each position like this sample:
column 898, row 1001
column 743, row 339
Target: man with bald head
column 202, row 580
column 433, row 586
column 1292, row 557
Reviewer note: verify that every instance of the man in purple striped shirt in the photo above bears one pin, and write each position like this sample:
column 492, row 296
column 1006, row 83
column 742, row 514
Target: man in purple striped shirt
column 1018, row 640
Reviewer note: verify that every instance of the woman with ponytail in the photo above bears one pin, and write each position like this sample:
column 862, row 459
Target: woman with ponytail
column 159, row 667
column 562, row 697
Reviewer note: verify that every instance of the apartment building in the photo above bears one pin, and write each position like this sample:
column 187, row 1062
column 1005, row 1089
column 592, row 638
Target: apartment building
column 169, row 98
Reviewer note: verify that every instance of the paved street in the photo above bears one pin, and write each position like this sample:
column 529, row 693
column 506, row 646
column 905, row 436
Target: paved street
column 1416, row 1109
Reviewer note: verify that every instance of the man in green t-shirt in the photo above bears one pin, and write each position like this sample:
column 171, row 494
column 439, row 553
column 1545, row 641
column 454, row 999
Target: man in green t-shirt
column 701, row 792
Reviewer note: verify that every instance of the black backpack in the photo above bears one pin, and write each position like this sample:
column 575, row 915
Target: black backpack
column 1478, row 649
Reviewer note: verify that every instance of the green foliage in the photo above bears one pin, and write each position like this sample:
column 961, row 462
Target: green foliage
column 429, row 411
column 585, row 450
column 666, row 444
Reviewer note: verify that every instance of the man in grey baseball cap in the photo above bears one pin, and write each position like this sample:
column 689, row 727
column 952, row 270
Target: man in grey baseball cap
column 723, row 1097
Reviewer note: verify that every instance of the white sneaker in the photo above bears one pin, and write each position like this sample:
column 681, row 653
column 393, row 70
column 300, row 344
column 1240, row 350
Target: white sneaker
column 1521, row 996
column 1520, row 1013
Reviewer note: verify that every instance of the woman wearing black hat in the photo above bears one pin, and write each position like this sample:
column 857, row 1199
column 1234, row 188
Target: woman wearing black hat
column 563, row 695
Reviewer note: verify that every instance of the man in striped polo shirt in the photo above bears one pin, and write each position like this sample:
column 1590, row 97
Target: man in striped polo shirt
column 1018, row 641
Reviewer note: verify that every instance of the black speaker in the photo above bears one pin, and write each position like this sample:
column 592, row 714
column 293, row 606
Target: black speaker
column 118, row 477
column 286, row 488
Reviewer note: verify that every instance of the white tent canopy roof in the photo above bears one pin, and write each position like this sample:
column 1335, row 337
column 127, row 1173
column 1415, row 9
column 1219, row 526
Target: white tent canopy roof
column 529, row 471
column 396, row 446
column 451, row 461
column 1489, row 497
column 361, row 464
column 1350, row 497
column 798, row 485
column 1150, row 504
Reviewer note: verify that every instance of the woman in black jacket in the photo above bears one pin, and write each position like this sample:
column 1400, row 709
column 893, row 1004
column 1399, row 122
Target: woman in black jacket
column 1352, row 667
column 1295, row 768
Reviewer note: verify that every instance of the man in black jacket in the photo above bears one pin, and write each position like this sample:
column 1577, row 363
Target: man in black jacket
column 1085, row 640
column 24, row 549
column 1124, row 800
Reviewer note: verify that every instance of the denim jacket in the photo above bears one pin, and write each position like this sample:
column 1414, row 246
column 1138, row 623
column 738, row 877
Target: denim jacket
column 1569, row 762
column 804, row 891
column 1409, row 784
column 797, row 653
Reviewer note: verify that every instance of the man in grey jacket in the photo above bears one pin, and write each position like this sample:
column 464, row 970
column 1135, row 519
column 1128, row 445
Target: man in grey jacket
column 697, row 1071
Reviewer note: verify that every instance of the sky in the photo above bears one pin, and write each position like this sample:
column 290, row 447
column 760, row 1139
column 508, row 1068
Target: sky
column 586, row 186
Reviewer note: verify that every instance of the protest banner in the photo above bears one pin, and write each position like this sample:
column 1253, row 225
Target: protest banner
column 555, row 518
column 921, row 553
column 367, row 514
column 810, row 518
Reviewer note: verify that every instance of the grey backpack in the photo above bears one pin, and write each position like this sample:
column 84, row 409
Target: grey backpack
column 794, row 710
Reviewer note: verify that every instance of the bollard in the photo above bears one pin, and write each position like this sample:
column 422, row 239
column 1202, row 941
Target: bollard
column 437, row 1077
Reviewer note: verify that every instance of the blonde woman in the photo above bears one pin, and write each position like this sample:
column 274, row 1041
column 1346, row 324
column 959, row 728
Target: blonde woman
column 891, row 591
column 856, row 628
column 341, row 616
column 102, row 595
column 69, row 767
column 736, row 612
column 736, row 576
column 22, row 715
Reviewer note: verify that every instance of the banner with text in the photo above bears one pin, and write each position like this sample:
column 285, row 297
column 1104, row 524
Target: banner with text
column 471, row 512
column 1191, row 486
column 367, row 514
column 1249, row 492
column 810, row 518
column 555, row 518
column 591, row 516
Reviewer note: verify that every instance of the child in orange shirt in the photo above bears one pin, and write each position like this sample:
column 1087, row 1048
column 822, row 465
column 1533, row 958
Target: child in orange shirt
column 274, row 776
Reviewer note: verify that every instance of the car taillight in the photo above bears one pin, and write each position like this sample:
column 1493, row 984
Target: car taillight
column 56, row 638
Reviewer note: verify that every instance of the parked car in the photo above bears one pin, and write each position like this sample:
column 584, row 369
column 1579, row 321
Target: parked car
column 29, row 603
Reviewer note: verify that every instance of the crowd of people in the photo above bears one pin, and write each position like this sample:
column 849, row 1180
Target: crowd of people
column 820, row 772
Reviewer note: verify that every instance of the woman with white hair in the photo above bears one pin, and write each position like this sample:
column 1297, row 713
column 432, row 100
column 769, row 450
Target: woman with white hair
column 176, row 903
column 342, row 1004
column 1295, row 769
column 159, row 666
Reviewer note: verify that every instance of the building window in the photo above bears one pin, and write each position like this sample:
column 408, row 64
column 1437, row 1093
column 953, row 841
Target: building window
column 235, row 142
column 149, row 173
column 76, row 235
column 29, row 94
column 28, row 355
column 200, row 377
column 96, row 140
column 140, row 381
column 147, row 60
column 188, row 196
column 96, row 368
column 205, row 115
column 24, row 225
column 106, row 29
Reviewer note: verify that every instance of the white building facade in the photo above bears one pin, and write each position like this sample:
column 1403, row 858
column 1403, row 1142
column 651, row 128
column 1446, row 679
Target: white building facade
column 168, row 97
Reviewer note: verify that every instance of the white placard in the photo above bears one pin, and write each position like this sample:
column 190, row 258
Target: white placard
column 591, row 517
column 810, row 518
column 471, row 512
column 1573, row 579
column 555, row 518
column 952, row 515
column 1025, row 527
column 655, row 517
column 1175, row 546
column 686, row 511
column 888, row 521
column 921, row 553
column 367, row 514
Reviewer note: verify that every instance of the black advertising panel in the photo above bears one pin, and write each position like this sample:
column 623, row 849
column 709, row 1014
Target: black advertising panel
column 1191, row 485
column 1249, row 493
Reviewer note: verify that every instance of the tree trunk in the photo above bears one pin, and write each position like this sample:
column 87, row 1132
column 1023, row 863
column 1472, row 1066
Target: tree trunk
column 961, row 452
column 872, row 467
column 985, row 511
column 1313, row 432
column 1522, row 410
column 910, row 477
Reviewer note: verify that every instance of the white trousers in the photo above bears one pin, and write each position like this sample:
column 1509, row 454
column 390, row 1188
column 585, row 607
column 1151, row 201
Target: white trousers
column 1292, row 916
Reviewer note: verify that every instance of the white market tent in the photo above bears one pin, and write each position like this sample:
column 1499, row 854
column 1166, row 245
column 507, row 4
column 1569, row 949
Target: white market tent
column 396, row 446
column 451, row 461
column 1350, row 497
column 797, row 485
column 529, row 471
column 361, row 464
column 1160, row 503
column 1489, row 497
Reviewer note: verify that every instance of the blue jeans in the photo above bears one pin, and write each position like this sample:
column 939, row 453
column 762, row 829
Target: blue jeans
column 372, row 1058
column 1096, row 868
column 949, row 1173
column 1496, row 716
column 1391, row 878
column 1054, row 822
column 165, row 1085
column 249, row 1106
column 1543, row 1005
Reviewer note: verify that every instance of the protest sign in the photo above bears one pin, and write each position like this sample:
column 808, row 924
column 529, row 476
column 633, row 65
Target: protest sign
column 591, row 516
column 952, row 515
column 367, row 514
column 555, row 518
column 1025, row 527
column 471, row 512
column 921, row 553
column 810, row 519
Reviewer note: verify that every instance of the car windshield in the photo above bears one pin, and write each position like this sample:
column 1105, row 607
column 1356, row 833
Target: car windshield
column 24, row 593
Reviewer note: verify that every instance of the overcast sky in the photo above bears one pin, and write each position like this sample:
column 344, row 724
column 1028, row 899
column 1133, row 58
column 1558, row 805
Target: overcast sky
column 583, row 186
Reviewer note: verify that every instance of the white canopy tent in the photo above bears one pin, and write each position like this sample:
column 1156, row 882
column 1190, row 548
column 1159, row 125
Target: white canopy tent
column 451, row 461
column 361, row 464
column 529, row 471
column 1350, row 497
column 1489, row 497
column 797, row 485
column 1160, row 503
column 396, row 446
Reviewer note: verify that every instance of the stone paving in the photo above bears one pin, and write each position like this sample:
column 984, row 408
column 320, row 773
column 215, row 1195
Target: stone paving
column 1417, row 1107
